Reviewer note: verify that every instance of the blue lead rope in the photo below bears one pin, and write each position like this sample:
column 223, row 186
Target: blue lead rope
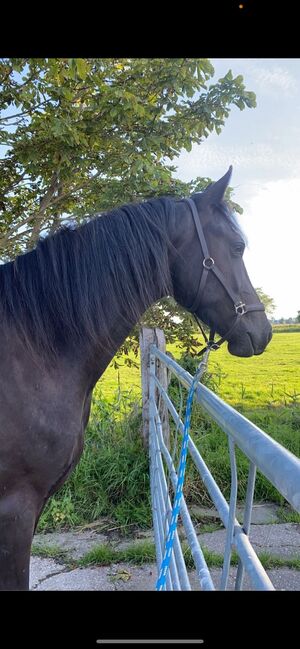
column 160, row 584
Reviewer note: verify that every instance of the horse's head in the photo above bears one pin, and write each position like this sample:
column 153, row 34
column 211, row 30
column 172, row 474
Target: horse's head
column 209, row 274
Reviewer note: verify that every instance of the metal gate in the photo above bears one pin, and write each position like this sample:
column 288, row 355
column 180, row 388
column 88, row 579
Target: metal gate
column 278, row 465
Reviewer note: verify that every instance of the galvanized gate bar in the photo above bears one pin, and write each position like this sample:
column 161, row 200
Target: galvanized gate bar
column 200, row 563
column 281, row 467
column 231, row 516
column 161, row 499
column 246, row 520
column 177, row 568
column 159, row 507
column 177, row 556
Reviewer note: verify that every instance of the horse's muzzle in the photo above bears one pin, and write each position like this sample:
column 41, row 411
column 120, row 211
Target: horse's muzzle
column 249, row 343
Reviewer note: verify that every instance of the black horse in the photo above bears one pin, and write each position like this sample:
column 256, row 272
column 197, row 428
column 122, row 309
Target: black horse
column 67, row 306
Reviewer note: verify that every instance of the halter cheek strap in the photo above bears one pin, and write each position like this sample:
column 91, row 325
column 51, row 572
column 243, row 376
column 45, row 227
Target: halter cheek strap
column 209, row 266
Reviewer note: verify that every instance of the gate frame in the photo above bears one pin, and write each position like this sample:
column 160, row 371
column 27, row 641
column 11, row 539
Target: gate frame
column 281, row 468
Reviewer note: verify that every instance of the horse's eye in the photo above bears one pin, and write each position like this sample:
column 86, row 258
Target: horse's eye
column 238, row 249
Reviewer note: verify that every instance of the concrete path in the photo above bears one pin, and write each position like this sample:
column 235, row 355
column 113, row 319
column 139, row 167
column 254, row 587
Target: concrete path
column 278, row 539
column 47, row 574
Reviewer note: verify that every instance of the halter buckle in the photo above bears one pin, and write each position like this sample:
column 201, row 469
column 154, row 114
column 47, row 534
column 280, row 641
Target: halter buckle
column 208, row 262
column 240, row 308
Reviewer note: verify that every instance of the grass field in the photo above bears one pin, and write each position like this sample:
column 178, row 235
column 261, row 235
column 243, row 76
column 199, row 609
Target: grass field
column 272, row 378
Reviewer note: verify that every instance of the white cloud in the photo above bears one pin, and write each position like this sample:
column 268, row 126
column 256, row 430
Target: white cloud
column 273, row 229
column 207, row 157
column 274, row 78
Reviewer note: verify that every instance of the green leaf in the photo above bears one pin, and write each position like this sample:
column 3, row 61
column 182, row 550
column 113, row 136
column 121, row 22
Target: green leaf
column 239, row 80
column 82, row 68
column 240, row 103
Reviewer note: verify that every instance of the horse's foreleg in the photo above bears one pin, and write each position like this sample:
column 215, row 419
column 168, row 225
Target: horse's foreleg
column 18, row 511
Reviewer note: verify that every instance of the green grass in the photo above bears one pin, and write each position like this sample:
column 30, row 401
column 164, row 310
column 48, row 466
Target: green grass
column 48, row 551
column 288, row 516
column 144, row 552
column 104, row 555
column 138, row 554
column 101, row 555
column 273, row 378
column 268, row 561
column 112, row 477
column 206, row 527
column 215, row 560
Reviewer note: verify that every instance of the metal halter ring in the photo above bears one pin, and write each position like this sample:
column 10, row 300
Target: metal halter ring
column 213, row 345
column 208, row 262
column 240, row 308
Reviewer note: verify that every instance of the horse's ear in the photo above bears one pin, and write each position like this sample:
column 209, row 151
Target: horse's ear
column 215, row 192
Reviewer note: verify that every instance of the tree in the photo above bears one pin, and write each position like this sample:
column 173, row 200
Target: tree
column 298, row 316
column 268, row 301
column 85, row 135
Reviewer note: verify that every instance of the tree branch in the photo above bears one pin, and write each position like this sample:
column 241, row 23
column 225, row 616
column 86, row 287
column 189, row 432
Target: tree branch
column 45, row 202
column 26, row 112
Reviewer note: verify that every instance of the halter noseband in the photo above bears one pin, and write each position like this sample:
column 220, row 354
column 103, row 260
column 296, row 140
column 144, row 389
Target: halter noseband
column 209, row 265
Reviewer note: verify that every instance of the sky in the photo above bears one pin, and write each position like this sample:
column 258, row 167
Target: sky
column 263, row 145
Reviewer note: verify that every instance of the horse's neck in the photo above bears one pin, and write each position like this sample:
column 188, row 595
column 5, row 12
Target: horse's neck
column 121, row 316
column 99, row 361
column 120, row 328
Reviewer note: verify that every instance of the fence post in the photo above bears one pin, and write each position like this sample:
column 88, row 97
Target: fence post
column 147, row 338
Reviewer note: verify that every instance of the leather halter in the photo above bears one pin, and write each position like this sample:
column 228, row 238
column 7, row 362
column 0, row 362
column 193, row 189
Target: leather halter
column 209, row 266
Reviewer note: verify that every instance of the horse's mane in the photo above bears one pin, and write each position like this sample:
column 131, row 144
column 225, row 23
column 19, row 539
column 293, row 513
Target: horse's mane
column 79, row 281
